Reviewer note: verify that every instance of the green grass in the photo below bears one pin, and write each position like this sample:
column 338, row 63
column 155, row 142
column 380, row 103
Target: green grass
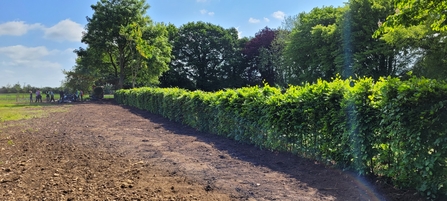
column 108, row 96
column 17, row 106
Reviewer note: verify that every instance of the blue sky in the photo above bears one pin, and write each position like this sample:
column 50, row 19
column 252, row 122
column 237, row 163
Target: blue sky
column 37, row 38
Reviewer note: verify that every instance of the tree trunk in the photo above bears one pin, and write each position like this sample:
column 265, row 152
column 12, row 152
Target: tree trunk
column 121, row 80
column 113, row 63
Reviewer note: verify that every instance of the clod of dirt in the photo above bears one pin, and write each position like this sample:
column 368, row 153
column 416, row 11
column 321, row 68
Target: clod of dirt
column 126, row 185
column 208, row 188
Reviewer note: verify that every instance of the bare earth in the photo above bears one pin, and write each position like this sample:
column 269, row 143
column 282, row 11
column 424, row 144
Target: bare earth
column 105, row 151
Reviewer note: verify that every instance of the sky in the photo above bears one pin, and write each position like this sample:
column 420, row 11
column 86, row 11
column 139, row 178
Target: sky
column 37, row 38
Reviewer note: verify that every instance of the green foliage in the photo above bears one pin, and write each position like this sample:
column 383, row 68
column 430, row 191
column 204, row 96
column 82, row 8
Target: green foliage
column 313, row 45
column 204, row 57
column 362, row 120
column 415, row 12
column 390, row 128
column 365, row 55
column 329, row 41
column 133, row 32
column 413, row 116
column 124, row 44
column 418, row 30
column 421, row 46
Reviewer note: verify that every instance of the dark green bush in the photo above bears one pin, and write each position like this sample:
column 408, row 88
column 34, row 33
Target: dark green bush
column 98, row 92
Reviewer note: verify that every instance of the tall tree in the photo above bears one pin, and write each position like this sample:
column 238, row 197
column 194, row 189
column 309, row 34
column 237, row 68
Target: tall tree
column 92, row 68
column 284, row 74
column 314, row 45
column 117, row 30
column 259, row 53
column 419, row 29
column 203, row 52
column 96, row 65
column 151, row 52
column 176, row 76
column 415, row 12
column 364, row 55
column 431, row 56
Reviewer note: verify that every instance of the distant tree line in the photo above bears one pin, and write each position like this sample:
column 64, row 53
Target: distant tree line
column 370, row 38
column 17, row 88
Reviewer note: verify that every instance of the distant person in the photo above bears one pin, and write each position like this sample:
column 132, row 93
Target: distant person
column 38, row 96
column 48, row 96
column 61, row 94
column 30, row 96
column 82, row 94
column 77, row 94
column 52, row 96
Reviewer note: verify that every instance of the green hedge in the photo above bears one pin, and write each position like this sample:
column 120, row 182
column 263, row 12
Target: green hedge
column 388, row 128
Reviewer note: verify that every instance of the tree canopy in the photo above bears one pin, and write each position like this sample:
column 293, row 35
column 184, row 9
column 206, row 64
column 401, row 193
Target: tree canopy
column 204, row 52
column 313, row 45
column 416, row 12
column 372, row 38
column 418, row 29
column 126, row 42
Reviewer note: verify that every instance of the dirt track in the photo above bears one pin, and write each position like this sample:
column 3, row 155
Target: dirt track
column 104, row 151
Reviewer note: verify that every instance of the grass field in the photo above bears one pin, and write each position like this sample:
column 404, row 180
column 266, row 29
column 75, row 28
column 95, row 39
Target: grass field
column 18, row 106
column 24, row 97
column 20, row 98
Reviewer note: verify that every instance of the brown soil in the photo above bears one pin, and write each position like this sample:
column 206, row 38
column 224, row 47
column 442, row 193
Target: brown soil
column 104, row 151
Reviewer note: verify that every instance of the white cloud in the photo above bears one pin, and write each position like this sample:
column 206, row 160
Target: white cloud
column 204, row 12
column 28, row 56
column 37, row 66
column 239, row 33
column 47, row 74
column 19, row 52
column 253, row 20
column 17, row 28
column 279, row 15
column 266, row 19
column 65, row 30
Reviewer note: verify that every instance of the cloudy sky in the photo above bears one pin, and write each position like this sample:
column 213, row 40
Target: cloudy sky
column 37, row 38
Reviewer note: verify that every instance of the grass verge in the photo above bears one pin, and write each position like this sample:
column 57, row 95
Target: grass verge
column 10, row 110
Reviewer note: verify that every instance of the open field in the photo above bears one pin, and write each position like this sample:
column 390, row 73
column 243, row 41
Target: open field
column 18, row 106
column 21, row 98
column 15, row 107
column 13, row 98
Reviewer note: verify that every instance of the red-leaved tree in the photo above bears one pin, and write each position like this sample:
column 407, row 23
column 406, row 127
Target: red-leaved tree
column 258, row 53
